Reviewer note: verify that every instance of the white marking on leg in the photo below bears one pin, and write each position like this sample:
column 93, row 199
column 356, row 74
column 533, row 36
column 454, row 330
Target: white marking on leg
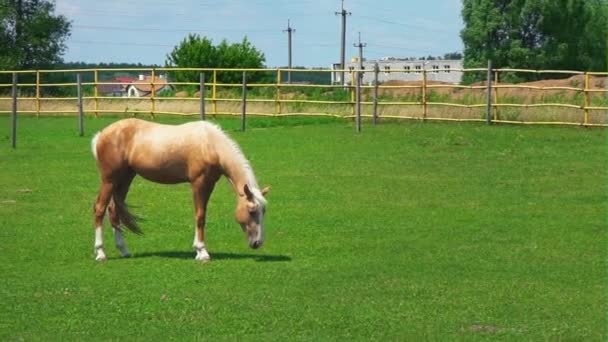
column 199, row 247
column 120, row 243
column 100, row 255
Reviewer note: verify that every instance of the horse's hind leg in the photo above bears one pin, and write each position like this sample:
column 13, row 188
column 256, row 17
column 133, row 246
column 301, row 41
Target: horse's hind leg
column 99, row 210
column 120, row 193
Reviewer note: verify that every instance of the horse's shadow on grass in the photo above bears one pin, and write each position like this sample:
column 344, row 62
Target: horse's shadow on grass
column 214, row 256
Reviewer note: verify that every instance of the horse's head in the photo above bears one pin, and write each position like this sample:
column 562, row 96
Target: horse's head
column 250, row 212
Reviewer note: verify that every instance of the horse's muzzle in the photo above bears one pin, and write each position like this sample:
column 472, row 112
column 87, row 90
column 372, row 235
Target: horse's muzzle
column 256, row 244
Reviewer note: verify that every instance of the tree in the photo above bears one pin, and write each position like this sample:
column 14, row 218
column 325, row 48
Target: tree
column 535, row 34
column 453, row 55
column 31, row 35
column 199, row 52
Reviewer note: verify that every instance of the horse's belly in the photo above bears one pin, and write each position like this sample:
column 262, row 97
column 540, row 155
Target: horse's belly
column 168, row 173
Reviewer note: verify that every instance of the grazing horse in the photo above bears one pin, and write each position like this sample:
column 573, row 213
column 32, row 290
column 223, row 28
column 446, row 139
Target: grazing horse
column 196, row 152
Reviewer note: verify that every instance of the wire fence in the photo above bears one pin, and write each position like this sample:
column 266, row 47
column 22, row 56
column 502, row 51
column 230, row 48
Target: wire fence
column 491, row 95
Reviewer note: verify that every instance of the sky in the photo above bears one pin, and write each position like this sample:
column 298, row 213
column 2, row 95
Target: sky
column 145, row 31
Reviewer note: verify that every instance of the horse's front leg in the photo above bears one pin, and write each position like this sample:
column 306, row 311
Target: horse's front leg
column 201, row 191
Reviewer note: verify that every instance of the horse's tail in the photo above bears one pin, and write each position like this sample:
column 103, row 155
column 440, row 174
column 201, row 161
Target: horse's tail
column 126, row 217
column 94, row 144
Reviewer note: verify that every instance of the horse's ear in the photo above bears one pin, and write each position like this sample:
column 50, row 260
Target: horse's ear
column 248, row 192
column 265, row 190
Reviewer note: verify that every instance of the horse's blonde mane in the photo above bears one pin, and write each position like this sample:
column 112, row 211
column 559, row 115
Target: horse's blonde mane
column 241, row 160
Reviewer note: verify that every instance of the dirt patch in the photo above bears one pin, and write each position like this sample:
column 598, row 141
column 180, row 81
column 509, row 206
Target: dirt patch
column 414, row 88
column 483, row 328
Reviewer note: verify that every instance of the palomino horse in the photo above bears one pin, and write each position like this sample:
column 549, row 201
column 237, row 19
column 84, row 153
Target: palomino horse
column 195, row 152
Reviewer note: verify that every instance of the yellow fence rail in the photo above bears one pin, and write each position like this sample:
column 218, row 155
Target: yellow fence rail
column 574, row 100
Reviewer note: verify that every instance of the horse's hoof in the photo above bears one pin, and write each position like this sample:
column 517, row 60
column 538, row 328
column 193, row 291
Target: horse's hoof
column 101, row 258
column 203, row 260
column 126, row 255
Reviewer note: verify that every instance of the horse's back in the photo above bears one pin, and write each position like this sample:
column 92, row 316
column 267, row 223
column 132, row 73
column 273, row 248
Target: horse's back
column 158, row 152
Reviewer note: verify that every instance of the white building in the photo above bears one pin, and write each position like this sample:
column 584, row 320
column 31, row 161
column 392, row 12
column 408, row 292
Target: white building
column 402, row 70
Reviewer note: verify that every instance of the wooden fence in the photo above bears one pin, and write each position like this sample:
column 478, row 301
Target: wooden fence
column 580, row 102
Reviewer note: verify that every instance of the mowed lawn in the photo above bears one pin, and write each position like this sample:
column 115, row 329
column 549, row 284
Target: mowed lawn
column 407, row 231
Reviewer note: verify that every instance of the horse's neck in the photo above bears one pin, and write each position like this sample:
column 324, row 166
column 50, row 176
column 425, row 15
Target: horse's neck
column 236, row 168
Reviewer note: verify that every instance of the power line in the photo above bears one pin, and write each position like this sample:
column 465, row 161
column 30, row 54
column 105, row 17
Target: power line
column 90, row 42
column 145, row 29
column 410, row 26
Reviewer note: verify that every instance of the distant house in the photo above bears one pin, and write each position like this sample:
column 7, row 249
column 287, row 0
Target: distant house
column 118, row 88
column 143, row 86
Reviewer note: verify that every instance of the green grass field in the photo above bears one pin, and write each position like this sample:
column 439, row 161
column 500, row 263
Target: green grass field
column 407, row 231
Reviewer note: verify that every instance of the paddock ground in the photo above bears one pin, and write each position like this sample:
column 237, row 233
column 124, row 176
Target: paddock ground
column 409, row 230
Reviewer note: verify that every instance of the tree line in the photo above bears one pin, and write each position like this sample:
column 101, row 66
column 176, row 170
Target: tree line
column 536, row 34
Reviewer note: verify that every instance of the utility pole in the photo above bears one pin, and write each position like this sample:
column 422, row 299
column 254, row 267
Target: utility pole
column 359, row 81
column 289, row 31
column 343, row 13
column 360, row 46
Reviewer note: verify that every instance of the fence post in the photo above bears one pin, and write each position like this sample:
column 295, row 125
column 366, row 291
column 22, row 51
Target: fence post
column 489, row 90
column 376, row 72
column 37, row 93
column 358, row 100
column 202, row 94
column 353, row 90
column 424, row 109
column 80, row 111
column 587, row 100
column 278, row 92
column 496, row 80
column 244, row 101
column 214, row 92
column 14, row 112
column 96, row 77
column 153, row 93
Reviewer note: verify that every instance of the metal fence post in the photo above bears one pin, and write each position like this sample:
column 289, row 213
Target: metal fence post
column 14, row 112
column 80, row 111
column 202, row 94
column 376, row 72
column 244, row 101
column 489, row 89
column 358, row 100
